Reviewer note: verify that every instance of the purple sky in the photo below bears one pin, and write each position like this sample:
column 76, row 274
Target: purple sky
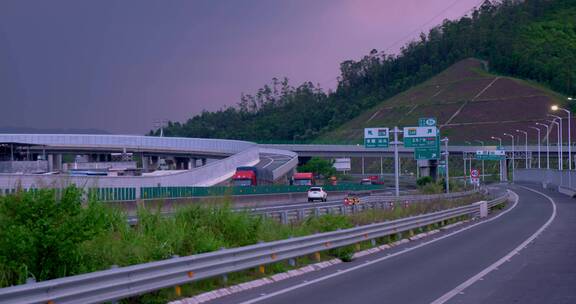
column 121, row 65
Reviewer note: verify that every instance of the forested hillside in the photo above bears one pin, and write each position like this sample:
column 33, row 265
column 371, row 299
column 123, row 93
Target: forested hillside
column 532, row 39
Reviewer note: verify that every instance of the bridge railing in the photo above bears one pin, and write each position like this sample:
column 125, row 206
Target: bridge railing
column 119, row 283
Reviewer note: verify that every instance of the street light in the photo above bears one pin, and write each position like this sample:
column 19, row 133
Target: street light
column 512, row 136
column 559, row 145
column 470, row 167
column 525, row 145
column 556, row 108
column 547, row 143
column 481, row 174
column 498, row 139
column 538, row 129
column 561, row 139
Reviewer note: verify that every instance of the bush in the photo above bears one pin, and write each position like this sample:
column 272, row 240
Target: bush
column 41, row 233
column 432, row 188
column 424, row 180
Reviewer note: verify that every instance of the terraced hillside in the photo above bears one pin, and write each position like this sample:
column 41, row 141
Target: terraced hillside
column 469, row 103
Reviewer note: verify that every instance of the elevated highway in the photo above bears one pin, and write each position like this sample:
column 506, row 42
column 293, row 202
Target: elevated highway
column 226, row 155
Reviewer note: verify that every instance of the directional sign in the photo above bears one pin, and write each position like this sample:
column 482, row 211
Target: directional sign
column 420, row 132
column 427, row 122
column 426, row 153
column 490, row 154
column 420, row 137
column 376, row 137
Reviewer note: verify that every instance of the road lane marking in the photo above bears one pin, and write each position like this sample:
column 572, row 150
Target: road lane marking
column 389, row 256
column 452, row 293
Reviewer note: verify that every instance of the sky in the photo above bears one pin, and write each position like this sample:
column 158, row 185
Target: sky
column 123, row 65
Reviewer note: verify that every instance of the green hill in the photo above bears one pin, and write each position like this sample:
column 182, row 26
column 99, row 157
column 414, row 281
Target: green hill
column 468, row 102
column 531, row 39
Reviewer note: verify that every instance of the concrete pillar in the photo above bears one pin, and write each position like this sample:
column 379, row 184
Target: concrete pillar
column 50, row 162
column 204, row 161
column 145, row 163
column 57, row 162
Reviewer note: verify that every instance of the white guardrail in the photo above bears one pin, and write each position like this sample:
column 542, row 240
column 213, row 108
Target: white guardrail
column 118, row 283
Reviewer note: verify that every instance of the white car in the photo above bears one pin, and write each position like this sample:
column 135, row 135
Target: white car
column 317, row 193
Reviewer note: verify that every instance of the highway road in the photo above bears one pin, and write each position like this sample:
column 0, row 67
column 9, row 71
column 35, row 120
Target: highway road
column 474, row 263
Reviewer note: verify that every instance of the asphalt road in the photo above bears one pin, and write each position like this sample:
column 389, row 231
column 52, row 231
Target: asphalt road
column 544, row 272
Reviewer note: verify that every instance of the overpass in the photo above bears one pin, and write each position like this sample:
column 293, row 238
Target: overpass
column 218, row 159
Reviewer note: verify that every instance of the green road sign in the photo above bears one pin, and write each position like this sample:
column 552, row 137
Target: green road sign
column 376, row 143
column 376, row 137
column 426, row 153
column 421, row 142
column 427, row 122
column 490, row 155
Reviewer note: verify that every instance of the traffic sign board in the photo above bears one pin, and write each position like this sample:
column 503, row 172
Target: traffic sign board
column 490, row 154
column 376, row 137
column 420, row 142
column 376, row 142
column 426, row 153
column 427, row 122
column 474, row 173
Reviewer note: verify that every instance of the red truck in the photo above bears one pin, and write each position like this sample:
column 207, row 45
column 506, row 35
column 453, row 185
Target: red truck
column 303, row 179
column 252, row 176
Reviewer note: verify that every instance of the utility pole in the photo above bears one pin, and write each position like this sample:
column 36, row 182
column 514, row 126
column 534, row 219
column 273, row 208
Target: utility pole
column 482, row 173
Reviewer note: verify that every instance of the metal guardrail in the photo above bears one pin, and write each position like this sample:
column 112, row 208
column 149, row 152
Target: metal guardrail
column 286, row 214
column 114, row 284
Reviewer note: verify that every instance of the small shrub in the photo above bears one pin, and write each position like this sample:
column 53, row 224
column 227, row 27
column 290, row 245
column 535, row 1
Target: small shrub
column 424, row 180
column 432, row 188
column 345, row 254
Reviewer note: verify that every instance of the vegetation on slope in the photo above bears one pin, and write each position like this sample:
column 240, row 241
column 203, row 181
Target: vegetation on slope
column 532, row 39
column 44, row 236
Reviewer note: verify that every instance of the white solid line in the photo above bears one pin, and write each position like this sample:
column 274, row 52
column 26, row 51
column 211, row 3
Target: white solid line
column 449, row 295
column 320, row 279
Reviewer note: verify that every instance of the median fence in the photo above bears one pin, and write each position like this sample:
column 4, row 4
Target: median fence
column 182, row 192
column 118, row 283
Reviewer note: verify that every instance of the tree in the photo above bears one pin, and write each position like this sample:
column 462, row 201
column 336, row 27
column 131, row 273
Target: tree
column 319, row 166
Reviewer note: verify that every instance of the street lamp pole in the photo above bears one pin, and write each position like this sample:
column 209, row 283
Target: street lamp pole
column 501, row 165
column 555, row 108
column 445, row 141
column 525, row 146
column 498, row 139
column 547, row 144
column 560, row 139
column 538, row 129
column 482, row 173
column 512, row 136
column 559, row 144
column 470, row 167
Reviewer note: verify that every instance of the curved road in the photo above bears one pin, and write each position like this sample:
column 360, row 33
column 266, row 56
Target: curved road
column 424, row 271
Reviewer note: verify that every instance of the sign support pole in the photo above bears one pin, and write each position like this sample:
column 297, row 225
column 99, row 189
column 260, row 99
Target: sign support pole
column 396, row 161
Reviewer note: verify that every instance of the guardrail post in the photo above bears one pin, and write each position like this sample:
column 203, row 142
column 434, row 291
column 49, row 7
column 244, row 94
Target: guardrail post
column 284, row 217
column 301, row 214
column 292, row 262
column 316, row 212
column 483, row 206
column 373, row 242
column 343, row 210
column 317, row 256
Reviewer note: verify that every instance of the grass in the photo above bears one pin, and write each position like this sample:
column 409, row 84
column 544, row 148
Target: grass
column 106, row 240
